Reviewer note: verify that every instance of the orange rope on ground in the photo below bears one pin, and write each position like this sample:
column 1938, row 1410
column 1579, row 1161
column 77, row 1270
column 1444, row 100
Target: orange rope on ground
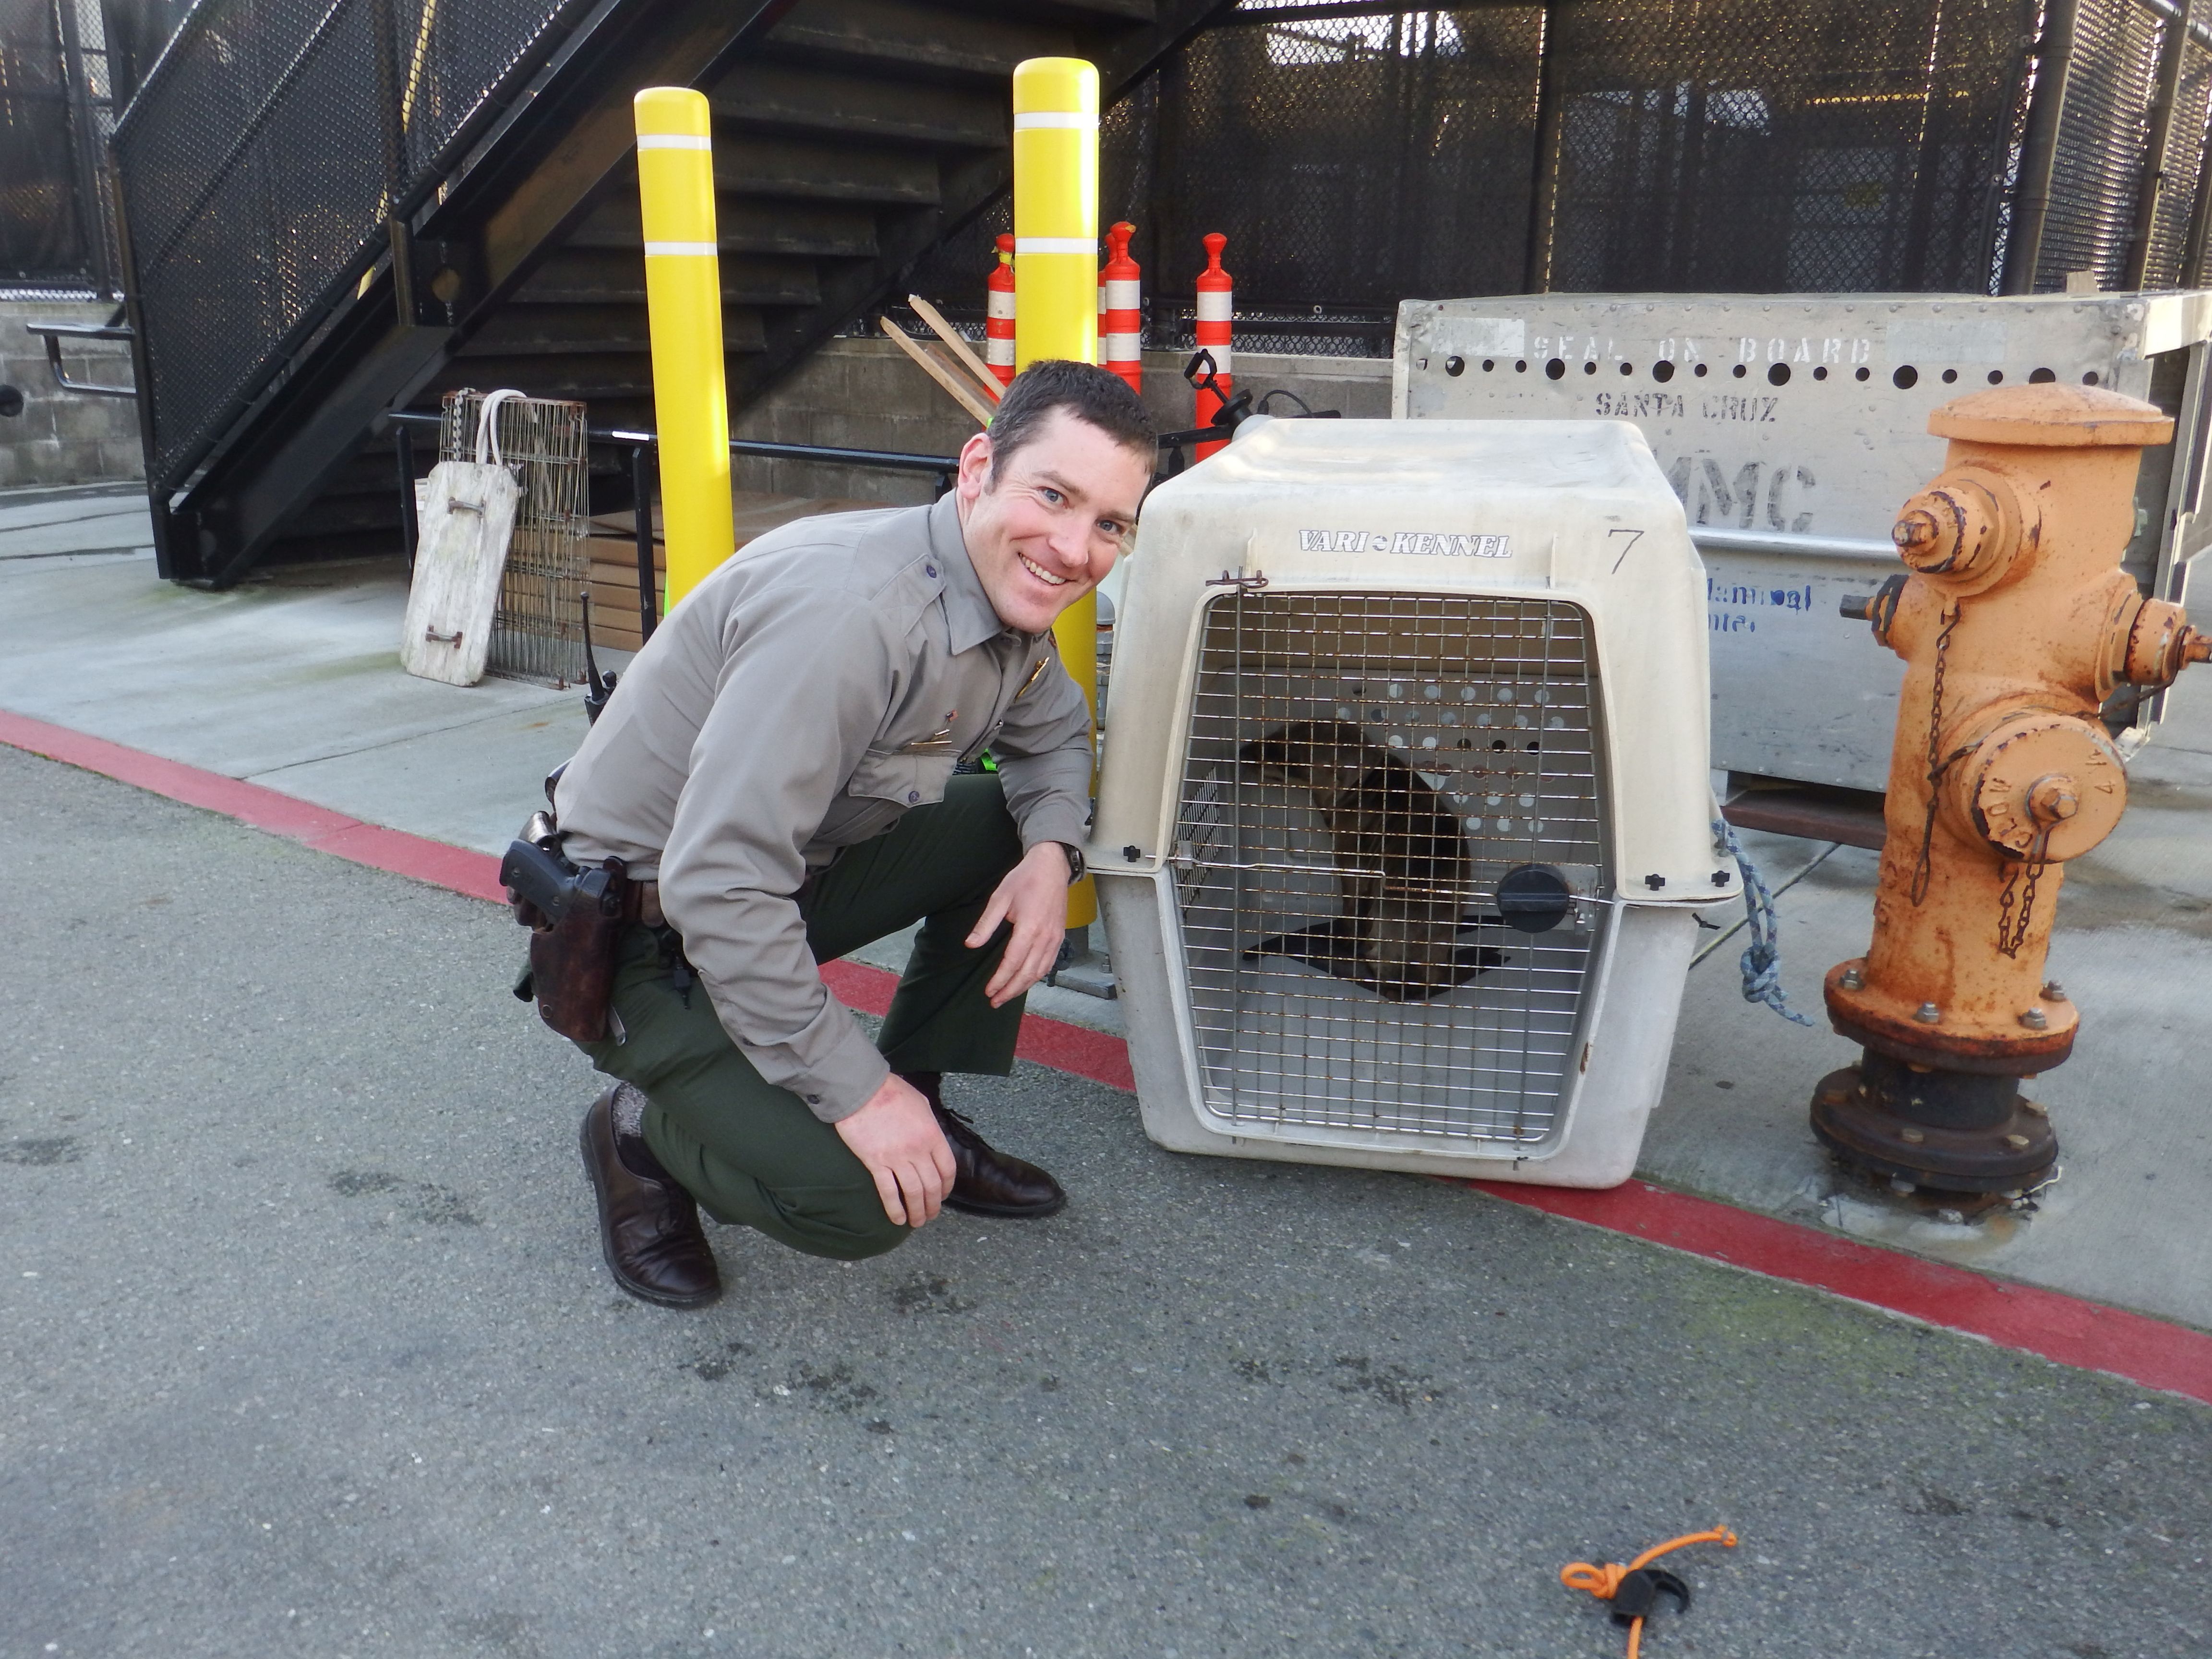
column 1603, row 1581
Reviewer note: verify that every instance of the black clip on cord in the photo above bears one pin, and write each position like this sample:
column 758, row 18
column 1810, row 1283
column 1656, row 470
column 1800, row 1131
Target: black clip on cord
column 1236, row 407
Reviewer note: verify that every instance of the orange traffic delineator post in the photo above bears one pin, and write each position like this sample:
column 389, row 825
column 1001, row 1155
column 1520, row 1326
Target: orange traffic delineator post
column 1215, row 301
column 1121, row 324
column 999, row 315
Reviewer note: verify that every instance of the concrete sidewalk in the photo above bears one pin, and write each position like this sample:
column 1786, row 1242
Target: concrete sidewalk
column 312, row 1353
column 292, row 682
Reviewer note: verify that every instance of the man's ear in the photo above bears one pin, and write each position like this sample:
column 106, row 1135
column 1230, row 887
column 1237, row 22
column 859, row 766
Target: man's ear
column 975, row 466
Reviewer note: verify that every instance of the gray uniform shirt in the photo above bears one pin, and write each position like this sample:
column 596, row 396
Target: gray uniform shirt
column 807, row 695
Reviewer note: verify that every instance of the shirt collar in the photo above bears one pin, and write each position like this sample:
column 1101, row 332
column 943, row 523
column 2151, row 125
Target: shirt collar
column 967, row 607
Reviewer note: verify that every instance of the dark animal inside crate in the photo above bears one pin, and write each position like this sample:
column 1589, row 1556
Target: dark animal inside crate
column 1404, row 866
column 1362, row 772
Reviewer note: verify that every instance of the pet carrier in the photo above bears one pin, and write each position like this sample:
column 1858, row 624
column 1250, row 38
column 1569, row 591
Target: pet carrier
column 1404, row 815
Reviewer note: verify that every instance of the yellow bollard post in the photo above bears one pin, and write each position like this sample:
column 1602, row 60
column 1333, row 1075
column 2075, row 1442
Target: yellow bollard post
column 1056, row 289
column 683, row 309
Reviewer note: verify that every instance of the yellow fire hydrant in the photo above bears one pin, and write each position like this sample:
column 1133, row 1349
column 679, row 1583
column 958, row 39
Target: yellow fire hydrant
column 2015, row 623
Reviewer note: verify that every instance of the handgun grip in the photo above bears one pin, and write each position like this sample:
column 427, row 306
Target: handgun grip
column 534, row 876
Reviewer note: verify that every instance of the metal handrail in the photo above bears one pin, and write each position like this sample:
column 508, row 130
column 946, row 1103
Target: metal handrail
column 52, row 333
column 891, row 460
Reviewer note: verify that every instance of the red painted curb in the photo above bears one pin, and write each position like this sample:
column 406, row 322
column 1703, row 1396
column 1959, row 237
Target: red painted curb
column 2066, row 1329
column 476, row 874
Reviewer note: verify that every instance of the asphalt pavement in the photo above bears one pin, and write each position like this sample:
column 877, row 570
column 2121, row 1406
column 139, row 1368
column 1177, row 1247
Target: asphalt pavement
column 306, row 1347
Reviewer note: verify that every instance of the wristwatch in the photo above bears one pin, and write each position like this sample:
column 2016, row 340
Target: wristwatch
column 1075, row 864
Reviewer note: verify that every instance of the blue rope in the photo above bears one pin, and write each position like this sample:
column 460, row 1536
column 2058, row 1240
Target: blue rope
column 1762, row 958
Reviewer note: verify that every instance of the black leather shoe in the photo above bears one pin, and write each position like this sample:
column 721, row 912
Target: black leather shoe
column 987, row 1181
column 648, row 1225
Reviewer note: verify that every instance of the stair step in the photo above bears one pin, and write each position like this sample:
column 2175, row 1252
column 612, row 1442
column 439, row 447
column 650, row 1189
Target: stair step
column 746, row 225
column 523, row 330
column 917, row 37
column 1084, row 14
column 756, row 164
column 789, row 98
column 598, row 276
column 577, row 379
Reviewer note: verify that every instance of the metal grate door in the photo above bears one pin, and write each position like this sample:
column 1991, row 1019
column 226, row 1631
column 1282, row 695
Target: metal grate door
column 1491, row 703
column 537, row 633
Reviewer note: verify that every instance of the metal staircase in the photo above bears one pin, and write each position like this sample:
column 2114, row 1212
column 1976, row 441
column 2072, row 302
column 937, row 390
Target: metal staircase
column 398, row 202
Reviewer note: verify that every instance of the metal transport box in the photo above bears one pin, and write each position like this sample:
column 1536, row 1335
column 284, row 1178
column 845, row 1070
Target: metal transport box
column 1791, row 427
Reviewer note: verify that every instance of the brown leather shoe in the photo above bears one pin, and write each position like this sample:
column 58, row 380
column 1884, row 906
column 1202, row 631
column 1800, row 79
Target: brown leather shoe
column 648, row 1225
column 988, row 1182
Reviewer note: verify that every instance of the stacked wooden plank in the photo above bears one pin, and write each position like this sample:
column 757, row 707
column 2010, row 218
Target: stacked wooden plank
column 613, row 547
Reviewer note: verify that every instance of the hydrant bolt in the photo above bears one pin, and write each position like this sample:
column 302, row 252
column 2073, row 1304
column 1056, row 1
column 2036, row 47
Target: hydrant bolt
column 2051, row 799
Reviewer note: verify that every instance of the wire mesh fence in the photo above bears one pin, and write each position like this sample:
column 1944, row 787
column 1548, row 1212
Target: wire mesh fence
column 57, row 109
column 538, row 632
column 1362, row 772
column 261, row 161
column 2102, row 138
column 1357, row 156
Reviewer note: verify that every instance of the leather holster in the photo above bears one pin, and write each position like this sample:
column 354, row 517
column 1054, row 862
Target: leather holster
column 571, row 961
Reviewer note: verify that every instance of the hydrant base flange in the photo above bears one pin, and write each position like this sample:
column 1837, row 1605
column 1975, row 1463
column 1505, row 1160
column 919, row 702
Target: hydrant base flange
column 1880, row 1023
column 1861, row 1128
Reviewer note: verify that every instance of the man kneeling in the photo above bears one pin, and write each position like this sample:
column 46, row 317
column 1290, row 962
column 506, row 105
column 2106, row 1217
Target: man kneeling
column 778, row 769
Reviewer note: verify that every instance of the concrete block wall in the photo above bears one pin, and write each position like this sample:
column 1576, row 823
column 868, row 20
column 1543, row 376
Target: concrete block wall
column 65, row 437
column 865, row 394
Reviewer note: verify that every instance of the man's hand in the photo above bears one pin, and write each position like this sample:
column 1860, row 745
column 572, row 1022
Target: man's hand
column 1034, row 899
column 897, row 1137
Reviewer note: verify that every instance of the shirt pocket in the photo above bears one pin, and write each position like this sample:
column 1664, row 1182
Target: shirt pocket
column 902, row 779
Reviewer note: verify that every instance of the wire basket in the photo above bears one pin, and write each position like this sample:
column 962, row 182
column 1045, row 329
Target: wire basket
column 538, row 631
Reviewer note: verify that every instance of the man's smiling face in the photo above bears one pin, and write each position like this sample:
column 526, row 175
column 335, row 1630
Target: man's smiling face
column 1044, row 528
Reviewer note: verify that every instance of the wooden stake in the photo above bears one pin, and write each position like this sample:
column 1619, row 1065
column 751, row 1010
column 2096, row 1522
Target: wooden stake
column 966, row 353
column 949, row 379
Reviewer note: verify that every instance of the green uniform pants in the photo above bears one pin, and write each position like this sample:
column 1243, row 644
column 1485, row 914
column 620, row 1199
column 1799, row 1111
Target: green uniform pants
column 752, row 1154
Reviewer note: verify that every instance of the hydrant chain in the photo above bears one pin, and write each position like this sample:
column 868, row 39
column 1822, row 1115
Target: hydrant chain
column 2012, row 935
column 1936, row 767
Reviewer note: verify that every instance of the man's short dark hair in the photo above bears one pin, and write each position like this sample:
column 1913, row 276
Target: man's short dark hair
column 1093, row 395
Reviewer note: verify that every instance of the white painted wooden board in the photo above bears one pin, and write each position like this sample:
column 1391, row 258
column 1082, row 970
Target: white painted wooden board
column 460, row 556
